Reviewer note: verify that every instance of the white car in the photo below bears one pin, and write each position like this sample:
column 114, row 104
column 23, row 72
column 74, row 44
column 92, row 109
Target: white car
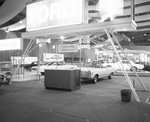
column 128, row 65
column 56, row 65
column 95, row 72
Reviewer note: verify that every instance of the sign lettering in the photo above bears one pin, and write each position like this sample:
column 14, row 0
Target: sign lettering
column 68, row 48
column 53, row 57
column 10, row 44
column 54, row 13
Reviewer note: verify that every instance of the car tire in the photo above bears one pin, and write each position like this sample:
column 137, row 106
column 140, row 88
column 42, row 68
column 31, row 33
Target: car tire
column 42, row 73
column 133, row 68
column 110, row 76
column 46, row 87
column 95, row 79
column 7, row 82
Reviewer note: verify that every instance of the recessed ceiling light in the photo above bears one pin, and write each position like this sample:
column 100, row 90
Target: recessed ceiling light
column 20, row 21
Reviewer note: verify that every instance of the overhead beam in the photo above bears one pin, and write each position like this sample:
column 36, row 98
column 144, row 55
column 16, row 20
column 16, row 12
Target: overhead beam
column 83, row 29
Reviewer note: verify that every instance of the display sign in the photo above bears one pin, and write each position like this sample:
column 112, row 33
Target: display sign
column 42, row 40
column 53, row 57
column 15, row 60
column 84, row 40
column 87, row 46
column 65, row 48
column 11, row 44
column 54, row 13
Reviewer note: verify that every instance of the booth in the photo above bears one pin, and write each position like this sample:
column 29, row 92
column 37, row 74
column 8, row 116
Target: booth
column 74, row 18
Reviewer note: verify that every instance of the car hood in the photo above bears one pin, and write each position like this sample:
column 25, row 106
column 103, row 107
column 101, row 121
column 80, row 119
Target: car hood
column 89, row 68
column 3, row 72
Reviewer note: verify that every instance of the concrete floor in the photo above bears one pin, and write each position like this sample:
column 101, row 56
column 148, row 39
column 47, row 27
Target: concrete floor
column 28, row 101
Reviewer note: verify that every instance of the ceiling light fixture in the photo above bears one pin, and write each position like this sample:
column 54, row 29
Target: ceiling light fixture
column 7, row 30
column 20, row 21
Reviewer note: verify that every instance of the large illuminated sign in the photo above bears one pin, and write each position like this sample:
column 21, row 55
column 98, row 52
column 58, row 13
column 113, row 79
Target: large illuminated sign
column 11, row 44
column 54, row 13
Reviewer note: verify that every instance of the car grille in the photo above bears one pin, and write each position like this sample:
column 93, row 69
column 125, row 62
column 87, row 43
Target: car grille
column 84, row 74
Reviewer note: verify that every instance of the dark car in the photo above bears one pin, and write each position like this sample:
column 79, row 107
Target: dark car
column 35, row 63
column 146, row 68
column 5, row 72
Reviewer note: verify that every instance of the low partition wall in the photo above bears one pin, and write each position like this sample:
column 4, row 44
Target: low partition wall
column 57, row 79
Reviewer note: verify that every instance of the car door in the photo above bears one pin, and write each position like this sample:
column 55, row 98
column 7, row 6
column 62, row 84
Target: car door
column 104, row 71
column 127, row 65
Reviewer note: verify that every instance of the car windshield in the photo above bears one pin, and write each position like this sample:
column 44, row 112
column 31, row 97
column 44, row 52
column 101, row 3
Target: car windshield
column 94, row 65
column 36, row 63
column 56, row 63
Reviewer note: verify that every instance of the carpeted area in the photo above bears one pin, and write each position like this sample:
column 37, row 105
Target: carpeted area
column 29, row 101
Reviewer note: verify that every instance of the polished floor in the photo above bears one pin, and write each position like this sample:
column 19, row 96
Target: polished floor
column 27, row 100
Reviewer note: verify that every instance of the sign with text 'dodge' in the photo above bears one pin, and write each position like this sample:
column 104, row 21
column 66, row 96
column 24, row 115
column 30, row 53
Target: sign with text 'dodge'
column 54, row 13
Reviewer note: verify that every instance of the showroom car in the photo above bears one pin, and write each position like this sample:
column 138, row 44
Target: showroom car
column 35, row 63
column 55, row 65
column 94, row 72
column 128, row 65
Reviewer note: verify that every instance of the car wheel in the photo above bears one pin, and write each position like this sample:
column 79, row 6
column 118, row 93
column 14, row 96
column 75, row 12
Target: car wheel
column 46, row 87
column 95, row 79
column 42, row 73
column 134, row 68
column 7, row 82
column 110, row 76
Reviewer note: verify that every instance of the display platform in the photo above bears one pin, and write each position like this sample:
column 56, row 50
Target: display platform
column 67, row 80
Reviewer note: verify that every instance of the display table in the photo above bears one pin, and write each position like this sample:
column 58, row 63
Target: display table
column 57, row 79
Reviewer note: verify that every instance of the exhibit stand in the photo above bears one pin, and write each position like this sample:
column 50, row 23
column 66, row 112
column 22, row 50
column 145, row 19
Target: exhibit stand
column 77, row 25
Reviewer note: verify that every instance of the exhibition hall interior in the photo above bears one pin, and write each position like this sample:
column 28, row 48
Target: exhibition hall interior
column 75, row 60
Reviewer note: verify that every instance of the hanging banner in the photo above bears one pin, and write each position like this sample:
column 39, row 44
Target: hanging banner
column 66, row 48
column 54, row 13
column 11, row 44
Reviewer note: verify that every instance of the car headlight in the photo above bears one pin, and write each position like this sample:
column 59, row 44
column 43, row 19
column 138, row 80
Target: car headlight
column 89, row 73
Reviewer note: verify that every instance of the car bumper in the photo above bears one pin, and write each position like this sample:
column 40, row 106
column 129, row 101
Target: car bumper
column 86, row 78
